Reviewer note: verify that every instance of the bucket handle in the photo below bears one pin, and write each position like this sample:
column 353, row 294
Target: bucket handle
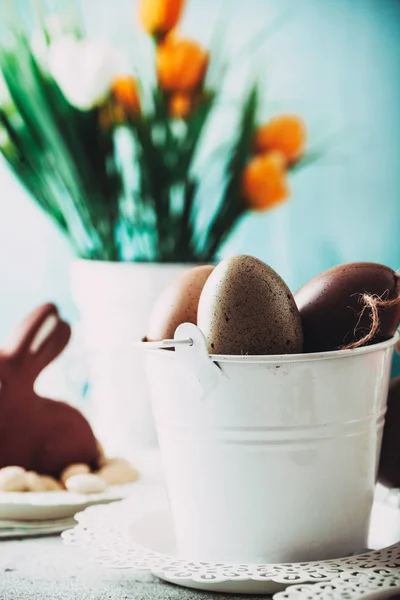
column 191, row 349
column 195, row 356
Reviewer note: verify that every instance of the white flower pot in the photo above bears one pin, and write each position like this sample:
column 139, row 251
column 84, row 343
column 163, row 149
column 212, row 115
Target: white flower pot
column 114, row 301
column 269, row 459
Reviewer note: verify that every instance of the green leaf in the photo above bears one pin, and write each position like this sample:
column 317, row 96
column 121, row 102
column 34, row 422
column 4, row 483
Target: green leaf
column 218, row 62
column 231, row 206
column 261, row 37
column 70, row 147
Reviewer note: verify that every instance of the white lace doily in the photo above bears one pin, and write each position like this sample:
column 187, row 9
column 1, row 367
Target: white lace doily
column 103, row 531
column 352, row 586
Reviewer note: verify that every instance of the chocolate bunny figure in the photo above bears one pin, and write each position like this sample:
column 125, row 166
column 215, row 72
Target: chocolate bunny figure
column 36, row 433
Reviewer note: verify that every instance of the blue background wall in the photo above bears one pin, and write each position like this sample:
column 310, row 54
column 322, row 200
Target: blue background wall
column 337, row 63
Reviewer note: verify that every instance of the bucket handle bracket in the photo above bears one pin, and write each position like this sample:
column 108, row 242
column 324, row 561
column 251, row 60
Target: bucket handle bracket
column 195, row 357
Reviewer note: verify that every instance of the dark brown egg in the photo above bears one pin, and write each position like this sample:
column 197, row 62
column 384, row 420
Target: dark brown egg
column 331, row 306
column 177, row 304
column 389, row 466
column 246, row 308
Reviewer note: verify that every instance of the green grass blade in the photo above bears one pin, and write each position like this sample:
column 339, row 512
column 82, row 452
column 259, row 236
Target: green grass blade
column 231, row 208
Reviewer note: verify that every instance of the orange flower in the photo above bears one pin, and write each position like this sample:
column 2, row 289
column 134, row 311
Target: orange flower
column 125, row 91
column 158, row 17
column 181, row 65
column 286, row 133
column 180, row 105
column 264, row 181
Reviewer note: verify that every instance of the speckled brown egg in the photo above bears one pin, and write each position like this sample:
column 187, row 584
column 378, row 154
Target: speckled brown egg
column 246, row 308
column 330, row 305
column 177, row 304
column 389, row 466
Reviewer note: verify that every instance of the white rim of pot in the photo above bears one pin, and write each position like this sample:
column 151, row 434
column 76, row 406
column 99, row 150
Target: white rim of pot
column 292, row 358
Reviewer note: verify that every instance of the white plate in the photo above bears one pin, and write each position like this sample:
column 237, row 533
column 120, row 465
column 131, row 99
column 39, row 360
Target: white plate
column 44, row 506
column 137, row 533
column 19, row 529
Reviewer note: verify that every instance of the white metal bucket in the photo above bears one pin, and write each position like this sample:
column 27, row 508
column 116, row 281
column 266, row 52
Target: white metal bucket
column 269, row 458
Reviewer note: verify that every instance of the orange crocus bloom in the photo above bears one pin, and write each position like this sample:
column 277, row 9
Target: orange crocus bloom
column 181, row 65
column 286, row 133
column 264, row 181
column 125, row 92
column 180, row 105
column 158, row 17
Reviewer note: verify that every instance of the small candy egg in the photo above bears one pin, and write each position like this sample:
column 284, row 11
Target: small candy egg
column 13, row 479
column 85, row 483
column 75, row 469
column 118, row 471
column 41, row 483
column 35, row 483
column 246, row 308
column 177, row 304
column 51, row 484
column 332, row 311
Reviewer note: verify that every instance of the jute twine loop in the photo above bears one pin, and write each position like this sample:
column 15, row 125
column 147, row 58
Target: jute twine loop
column 373, row 303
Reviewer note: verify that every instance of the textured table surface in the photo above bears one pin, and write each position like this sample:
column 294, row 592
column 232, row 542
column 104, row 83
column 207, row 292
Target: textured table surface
column 45, row 569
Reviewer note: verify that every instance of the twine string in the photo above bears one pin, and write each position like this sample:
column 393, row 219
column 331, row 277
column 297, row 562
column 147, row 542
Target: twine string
column 373, row 303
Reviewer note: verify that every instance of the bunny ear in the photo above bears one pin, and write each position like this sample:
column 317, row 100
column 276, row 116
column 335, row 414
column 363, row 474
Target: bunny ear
column 20, row 341
column 39, row 339
column 49, row 348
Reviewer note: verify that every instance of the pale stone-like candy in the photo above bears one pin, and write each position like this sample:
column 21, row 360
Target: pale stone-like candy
column 118, row 471
column 75, row 469
column 13, row 479
column 42, row 483
column 52, row 485
column 85, row 483
column 34, row 482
